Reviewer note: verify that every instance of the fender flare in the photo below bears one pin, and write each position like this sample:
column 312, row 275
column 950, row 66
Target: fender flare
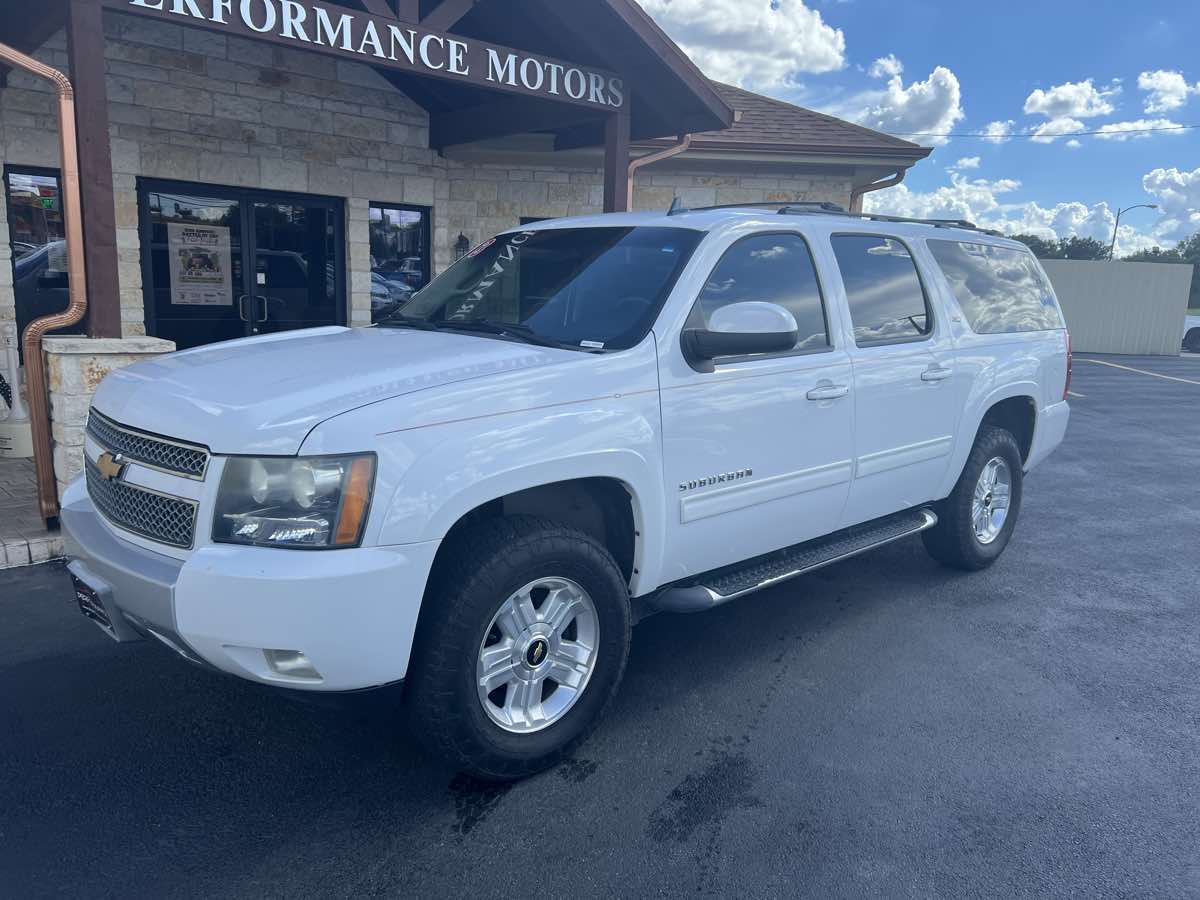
column 972, row 420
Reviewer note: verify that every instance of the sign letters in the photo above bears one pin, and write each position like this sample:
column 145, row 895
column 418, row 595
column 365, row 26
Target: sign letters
column 398, row 44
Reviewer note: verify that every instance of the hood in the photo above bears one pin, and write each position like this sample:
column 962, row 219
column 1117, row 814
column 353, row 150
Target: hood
column 265, row 394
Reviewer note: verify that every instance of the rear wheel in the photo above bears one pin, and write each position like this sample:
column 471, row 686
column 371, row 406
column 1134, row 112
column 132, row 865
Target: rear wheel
column 976, row 522
column 520, row 649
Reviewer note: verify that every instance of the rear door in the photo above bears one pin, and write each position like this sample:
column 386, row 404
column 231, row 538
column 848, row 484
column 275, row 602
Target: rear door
column 753, row 464
column 905, row 398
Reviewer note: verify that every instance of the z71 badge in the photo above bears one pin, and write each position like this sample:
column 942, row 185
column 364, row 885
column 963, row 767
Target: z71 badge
column 724, row 477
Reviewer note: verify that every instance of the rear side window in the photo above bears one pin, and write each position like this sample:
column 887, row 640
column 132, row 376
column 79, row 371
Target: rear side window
column 776, row 268
column 1000, row 290
column 887, row 301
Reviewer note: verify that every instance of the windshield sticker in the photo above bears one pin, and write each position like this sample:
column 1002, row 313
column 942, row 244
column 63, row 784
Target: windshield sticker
column 592, row 345
column 476, row 297
column 481, row 248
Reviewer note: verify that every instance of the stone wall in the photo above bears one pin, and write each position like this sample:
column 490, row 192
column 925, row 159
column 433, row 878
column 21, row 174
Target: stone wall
column 75, row 366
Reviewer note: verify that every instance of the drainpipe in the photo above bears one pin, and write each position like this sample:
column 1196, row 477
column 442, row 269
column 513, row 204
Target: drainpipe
column 35, row 364
column 685, row 141
column 856, row 195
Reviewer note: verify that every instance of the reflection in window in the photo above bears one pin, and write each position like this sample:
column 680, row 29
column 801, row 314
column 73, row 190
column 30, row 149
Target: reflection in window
column 1000, row 289
column 399, row 256
column 883, row 290
column 37, row 239
column 775, row 268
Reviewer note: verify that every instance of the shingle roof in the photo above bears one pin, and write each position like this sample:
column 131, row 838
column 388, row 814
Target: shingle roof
column 769, row 124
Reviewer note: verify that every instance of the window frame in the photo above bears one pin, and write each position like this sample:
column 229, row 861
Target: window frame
column 427, row 238
column 929, row 310
column 821, row 295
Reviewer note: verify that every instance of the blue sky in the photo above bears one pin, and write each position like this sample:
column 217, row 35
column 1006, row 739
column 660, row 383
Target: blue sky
column 1056, row 67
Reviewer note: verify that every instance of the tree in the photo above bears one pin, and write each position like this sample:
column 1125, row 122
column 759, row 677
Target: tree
column 1155, row 254
column 1042, row 248
column 1082, row 248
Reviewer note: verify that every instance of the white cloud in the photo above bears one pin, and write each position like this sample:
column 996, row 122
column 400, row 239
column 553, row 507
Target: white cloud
column 965, row 162
column 753, row 43
column 1124, row 131
column 923, row 108
column 1074, row 144
column 1056, row 128
column 1073, row 99
column 1166, row 90
column 886, row 67
column 1178, row 196
column 988, row 204
column 998, row 132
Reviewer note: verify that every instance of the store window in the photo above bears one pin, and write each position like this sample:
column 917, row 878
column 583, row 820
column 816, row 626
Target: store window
column 400, row 238
column 37, row 239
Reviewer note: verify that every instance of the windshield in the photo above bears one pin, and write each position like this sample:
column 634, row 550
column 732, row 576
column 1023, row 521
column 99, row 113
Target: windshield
column 586, row 288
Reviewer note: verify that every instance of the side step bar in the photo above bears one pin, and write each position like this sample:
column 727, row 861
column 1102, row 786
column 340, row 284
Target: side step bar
column 761, row 572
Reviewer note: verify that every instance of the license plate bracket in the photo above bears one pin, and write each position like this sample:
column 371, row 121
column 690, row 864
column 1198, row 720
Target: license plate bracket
column 91, row 603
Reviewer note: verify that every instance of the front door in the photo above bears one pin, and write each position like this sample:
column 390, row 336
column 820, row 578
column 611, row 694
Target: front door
column 758, row 453
column 224, row 263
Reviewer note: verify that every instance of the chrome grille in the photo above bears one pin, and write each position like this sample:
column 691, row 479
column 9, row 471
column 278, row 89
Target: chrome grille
column 170, row 456
column 168, row 520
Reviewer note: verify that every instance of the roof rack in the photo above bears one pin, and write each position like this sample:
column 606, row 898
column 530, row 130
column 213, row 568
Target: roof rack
column 812, row 207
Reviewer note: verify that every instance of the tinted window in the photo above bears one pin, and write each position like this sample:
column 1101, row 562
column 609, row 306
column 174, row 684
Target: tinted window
column 594, row 288
column 883, row 289
column 999, row 289
column 399, row 256
column 777, row 268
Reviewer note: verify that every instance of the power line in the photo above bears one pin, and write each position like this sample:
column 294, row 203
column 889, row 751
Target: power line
column 1031, row 134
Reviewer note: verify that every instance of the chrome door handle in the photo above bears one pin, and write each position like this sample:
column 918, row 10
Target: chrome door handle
column 936, row 373
column 241, row 302
column 828, row 391
column 266, row 306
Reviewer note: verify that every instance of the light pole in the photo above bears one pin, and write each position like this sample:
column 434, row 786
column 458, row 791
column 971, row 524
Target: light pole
column 1112, row 248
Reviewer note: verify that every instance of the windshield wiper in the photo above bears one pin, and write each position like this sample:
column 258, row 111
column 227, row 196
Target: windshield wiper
column 399, row 320
column 521, row 332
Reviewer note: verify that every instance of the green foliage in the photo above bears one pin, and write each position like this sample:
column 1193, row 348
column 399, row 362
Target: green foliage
column 1064, row 248
column 1042, row 248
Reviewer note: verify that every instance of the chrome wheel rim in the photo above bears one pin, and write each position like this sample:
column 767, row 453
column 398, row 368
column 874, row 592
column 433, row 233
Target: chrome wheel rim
column 537, row 655
column 990, row 503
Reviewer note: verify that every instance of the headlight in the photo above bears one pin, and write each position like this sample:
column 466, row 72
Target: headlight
column 317, row 503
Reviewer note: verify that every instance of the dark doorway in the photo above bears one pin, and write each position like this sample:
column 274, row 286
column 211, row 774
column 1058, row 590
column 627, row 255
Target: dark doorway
column 221, row 263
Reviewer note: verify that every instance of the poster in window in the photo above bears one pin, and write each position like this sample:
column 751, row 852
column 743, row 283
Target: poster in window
column 201, row 265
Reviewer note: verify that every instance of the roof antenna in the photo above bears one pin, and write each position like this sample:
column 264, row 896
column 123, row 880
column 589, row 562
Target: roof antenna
column 676, row 207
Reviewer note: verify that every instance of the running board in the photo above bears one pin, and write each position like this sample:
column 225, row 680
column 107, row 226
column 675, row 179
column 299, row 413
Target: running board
column 764, row 571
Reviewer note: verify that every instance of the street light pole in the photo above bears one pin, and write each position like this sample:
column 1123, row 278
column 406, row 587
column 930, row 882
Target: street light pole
column 1112, row 248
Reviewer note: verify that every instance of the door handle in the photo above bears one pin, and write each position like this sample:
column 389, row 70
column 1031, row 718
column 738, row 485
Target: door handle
column 266, row 308
column 828, row 391
column 241, row 301
column 936, row 373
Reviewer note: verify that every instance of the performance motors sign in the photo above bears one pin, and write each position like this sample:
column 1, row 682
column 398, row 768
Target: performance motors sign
column 393, row 44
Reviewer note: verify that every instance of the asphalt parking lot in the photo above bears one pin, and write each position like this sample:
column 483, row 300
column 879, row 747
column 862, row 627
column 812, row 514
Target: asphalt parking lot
column 880, row 728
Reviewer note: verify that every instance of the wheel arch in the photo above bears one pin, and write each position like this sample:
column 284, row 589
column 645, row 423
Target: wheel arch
column 1011, row 406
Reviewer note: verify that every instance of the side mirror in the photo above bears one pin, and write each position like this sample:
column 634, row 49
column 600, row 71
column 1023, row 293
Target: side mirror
column 740, row 329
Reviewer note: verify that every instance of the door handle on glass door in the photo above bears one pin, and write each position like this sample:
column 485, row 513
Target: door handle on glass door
column 827, row 390
column 241, row 302
column 936, row 373
column 266, row 307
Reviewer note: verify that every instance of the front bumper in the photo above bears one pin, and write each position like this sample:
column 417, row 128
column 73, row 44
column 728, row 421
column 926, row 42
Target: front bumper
column 352, row 613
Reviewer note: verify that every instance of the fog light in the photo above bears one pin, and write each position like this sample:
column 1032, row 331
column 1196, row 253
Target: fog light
column 292, row 664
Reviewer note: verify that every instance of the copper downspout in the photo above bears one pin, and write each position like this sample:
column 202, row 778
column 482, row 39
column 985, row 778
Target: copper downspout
column 856, row 195
column 35, row 364
column 685, row 141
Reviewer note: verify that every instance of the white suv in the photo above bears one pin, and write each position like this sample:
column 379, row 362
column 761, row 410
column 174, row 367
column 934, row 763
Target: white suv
column 582, row 422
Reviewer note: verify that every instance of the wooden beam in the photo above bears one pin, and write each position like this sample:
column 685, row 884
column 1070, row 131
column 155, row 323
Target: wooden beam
column 616, row 163
column 382, row 8
column 447, row 14
column 85, row 52
column 456, row 58
column 502, row 118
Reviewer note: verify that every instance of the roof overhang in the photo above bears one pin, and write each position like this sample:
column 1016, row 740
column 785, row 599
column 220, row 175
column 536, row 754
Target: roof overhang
column 482, row 68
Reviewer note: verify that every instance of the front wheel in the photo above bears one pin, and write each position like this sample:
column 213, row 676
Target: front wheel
column 976, row 522
column 520, row 649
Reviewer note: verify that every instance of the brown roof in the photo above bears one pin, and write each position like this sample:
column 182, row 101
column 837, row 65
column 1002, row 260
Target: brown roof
column 773, row 125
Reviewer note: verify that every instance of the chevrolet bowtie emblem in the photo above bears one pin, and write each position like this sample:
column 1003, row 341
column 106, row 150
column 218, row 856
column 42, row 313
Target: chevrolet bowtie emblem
column 110, row 466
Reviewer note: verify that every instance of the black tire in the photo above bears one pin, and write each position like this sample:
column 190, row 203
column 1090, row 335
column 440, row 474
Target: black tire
column 953, row 541
column 1191, row 340
column 488, row 564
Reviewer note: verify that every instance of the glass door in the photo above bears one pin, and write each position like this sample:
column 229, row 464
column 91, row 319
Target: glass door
column 225, row 263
